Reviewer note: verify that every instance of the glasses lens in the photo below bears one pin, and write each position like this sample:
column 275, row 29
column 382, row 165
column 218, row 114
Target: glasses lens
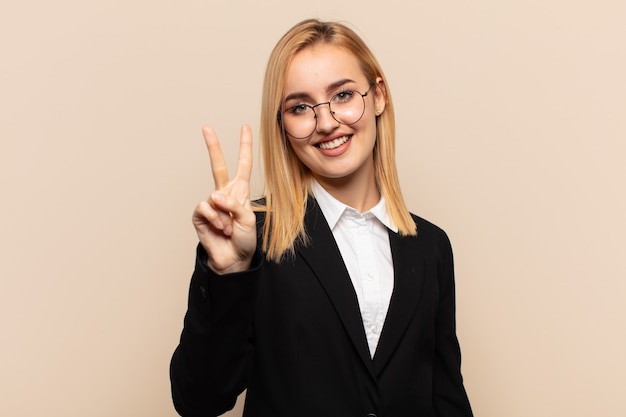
column 346, row 107
column 299, row 121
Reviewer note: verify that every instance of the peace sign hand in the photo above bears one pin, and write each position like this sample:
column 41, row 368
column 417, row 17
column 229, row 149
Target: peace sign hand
column 225, row 223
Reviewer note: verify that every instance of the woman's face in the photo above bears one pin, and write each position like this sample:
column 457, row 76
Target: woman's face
column 334, row 152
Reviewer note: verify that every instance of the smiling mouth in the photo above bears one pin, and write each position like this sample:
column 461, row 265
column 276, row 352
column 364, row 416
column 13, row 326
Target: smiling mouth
column 332, row 144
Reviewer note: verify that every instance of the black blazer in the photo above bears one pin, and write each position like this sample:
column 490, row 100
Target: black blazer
column 292, row 334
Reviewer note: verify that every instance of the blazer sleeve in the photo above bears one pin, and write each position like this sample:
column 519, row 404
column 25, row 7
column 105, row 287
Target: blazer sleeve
column 210, row 366
column 449, row 395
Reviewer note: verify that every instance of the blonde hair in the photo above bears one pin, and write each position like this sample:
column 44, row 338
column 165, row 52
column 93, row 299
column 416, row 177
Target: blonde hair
column 286, row 178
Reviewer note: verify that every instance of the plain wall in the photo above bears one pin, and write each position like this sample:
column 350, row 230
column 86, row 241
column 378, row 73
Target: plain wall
column 511, row 136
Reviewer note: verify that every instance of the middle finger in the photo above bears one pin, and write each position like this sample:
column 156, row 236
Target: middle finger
column 218, row 164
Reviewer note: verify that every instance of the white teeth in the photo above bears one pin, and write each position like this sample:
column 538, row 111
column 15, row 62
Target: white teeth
column 332, row 144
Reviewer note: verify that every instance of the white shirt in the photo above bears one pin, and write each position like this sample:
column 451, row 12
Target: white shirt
column 363, row 240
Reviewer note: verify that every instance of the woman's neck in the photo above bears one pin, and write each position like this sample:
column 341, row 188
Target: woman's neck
column 358, row 192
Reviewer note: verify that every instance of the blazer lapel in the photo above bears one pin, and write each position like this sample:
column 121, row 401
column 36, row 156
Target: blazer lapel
column 407, row 292
column 323, row 257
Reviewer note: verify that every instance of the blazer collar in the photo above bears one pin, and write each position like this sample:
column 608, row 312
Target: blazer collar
column 323, row 257
column 408, row 268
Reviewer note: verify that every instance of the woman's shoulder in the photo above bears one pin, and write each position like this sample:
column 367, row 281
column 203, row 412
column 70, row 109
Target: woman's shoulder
column 427, row 230
column 426, row 224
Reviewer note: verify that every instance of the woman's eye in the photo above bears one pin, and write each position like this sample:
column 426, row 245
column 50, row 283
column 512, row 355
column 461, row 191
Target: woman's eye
column 343, row 96
column 298, row 109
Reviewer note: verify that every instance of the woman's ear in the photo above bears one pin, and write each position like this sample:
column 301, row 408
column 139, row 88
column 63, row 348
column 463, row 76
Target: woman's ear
column 380, row 96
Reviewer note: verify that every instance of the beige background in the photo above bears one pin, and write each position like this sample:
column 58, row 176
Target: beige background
column 511, row 118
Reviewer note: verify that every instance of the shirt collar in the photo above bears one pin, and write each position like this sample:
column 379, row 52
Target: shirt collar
column 333, row 209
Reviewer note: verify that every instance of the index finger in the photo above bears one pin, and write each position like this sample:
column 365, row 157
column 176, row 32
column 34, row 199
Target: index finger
column 218, row 164
column 244, row 167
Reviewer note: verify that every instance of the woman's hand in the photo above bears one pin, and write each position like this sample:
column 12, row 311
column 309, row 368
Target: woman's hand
column 225, row 223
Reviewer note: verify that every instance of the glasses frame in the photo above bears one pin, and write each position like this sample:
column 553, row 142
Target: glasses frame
column 332, row 113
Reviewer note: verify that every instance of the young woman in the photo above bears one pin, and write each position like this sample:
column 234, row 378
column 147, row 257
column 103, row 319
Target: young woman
column 332, row 299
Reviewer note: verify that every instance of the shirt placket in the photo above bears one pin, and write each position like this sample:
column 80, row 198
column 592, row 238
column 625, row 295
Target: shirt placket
column 368, row 276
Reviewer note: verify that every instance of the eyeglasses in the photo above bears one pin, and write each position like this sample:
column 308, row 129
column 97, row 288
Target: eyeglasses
column 300, row 121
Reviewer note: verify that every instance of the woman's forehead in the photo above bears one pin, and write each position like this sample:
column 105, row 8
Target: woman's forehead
column 320, row 67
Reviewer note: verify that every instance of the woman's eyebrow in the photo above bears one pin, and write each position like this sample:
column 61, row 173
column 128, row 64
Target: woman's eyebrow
column 338, row 84
column 331, row 87
column 297, row 96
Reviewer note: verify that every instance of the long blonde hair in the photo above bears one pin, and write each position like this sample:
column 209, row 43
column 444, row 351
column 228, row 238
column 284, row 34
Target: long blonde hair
column 286, row 178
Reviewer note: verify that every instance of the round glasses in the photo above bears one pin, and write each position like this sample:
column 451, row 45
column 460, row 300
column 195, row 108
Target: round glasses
column 300, row 121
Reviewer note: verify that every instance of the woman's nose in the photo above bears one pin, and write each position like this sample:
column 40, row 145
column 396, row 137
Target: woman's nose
column 325, row 120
